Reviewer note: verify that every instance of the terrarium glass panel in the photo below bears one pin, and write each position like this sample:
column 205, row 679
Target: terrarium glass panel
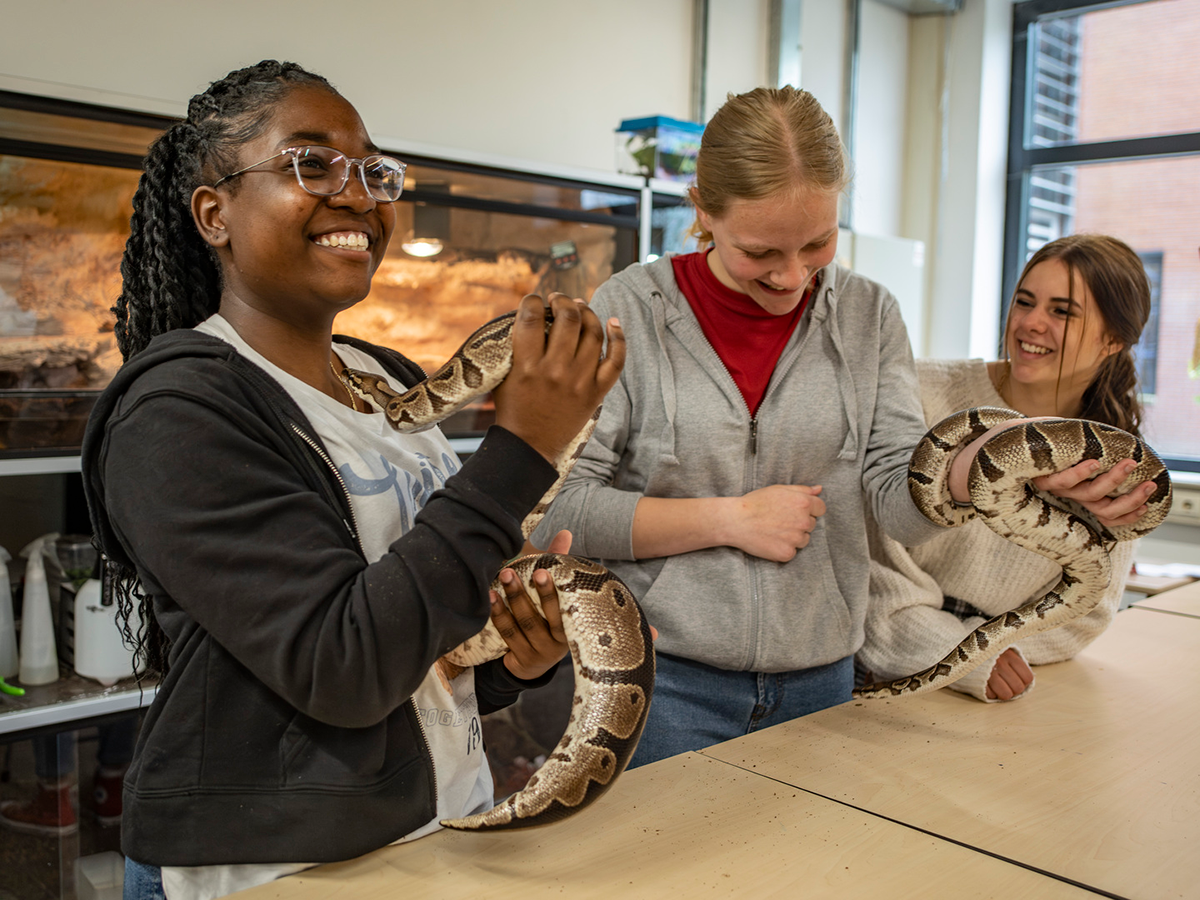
column 491, row 236
column 426, row 307
column 63, row 227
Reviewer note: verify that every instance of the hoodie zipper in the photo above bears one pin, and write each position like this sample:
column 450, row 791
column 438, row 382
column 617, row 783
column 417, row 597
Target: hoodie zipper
column 352, row 527
column 352, row 523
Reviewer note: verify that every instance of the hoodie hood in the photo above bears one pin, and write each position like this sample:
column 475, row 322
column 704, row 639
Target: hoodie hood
column 669, row 310
column 200, row 368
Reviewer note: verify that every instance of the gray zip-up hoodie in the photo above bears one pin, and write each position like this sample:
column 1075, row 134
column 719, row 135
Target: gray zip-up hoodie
column 842, row 411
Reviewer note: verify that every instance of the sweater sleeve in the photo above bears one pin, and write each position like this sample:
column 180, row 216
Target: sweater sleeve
column 897, row 426
column 1067, row 640
column 907, row 630
column 599, row 515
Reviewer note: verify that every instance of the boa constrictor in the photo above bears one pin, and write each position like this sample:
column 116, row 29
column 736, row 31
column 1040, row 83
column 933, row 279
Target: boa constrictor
column 1003, row 496
column 611, row 648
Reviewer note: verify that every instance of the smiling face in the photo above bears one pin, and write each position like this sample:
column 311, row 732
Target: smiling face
column 1056, row 336
column 287, row 254
column 769, row 249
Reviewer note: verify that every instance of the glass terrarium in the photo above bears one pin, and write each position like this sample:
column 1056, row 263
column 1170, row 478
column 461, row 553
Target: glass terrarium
column 471, row 239
column 470, row 242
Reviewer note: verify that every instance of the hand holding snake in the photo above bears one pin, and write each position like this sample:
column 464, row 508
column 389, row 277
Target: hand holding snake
column 548, row 375
column 1007, row 460
column 559, row 375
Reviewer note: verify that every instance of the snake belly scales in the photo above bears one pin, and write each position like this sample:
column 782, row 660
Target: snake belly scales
column 611, row 648
column 1004, row 497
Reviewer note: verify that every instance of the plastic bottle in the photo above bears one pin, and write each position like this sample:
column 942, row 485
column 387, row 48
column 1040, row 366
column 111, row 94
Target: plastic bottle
column 39, row 655
column 100, row 651
column 9, row 660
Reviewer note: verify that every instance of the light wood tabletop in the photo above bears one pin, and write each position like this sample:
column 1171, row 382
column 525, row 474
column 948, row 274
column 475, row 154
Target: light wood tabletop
column 1183, row 600
column 683, row 827
column 1095, row 776
column 1154, row 584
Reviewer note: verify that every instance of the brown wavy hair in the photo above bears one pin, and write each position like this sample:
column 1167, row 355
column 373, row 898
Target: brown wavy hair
column 765, row 142
column 1117, row 280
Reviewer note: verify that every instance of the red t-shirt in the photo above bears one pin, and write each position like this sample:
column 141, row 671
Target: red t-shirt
column 747, row 338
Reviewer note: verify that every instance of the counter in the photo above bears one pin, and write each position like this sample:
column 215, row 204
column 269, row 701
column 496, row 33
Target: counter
column 70, row 701
column 1089, row 786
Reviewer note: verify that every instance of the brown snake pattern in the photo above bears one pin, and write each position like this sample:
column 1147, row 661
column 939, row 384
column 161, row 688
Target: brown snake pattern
column 611, row 648
column 1003, row 496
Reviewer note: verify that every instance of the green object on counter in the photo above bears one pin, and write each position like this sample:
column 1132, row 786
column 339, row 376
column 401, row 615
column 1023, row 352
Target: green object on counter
column 6, row 688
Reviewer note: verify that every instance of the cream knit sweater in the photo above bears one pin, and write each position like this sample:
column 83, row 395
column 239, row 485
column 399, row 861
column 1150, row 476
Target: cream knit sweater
column 906, row 628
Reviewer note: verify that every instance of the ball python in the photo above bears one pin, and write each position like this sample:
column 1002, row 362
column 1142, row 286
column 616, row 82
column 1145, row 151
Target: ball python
column 609, row 639
column 1004, row 497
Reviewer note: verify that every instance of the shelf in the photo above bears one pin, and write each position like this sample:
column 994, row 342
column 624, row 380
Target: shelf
column 39, row 465
column 70, row 699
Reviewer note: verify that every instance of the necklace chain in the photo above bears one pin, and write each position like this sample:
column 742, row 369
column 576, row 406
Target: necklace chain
column 346, row 387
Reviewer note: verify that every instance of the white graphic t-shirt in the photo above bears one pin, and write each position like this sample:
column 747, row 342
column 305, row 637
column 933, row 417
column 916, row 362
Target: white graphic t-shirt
column 389, row 476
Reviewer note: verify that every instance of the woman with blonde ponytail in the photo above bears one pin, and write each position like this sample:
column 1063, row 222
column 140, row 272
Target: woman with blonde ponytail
column 1077, row 312
column 768, row 396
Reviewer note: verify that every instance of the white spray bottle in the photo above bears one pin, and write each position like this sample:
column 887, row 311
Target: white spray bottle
column 9, row 661
column 39, row 654
column 100, row 651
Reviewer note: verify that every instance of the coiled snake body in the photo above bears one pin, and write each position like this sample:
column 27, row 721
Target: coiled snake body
column 611, row 648
column 1003, row 496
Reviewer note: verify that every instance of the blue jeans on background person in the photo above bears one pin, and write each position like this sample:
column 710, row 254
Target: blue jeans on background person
column 142, row 882
column 695, row 705
column 54, row 754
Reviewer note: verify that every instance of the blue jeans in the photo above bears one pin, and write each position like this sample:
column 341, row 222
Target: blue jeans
column 142, row 882
column 54, row 754
column 696, row 706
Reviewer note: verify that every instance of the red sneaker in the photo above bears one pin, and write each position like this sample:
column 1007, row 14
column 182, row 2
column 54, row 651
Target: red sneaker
column 49, row 813
column 106, row 795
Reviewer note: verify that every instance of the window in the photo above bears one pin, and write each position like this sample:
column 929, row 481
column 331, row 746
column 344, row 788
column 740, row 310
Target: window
column 1105, row 137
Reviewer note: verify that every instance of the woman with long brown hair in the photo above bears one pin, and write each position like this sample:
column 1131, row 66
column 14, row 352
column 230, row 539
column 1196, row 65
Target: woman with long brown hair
column 1077, row 312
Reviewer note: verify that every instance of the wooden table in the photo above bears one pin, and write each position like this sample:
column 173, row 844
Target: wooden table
column 1181, row 600
column 1095, row 777
column 685, row 827
column 1090, row 786
column 1154, row 584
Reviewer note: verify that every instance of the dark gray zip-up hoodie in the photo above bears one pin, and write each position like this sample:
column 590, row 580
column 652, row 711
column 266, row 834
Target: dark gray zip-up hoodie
column 842, row 411
column 284, row 730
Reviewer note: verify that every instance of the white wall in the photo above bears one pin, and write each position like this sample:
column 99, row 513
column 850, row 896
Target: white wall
column 534, row 79
column 822, row 53
column 880, row 119
column 547, row 83
column 737, row 49
column 955, row 170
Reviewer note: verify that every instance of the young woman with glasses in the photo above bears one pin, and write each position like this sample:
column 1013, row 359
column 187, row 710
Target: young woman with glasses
column 299, row 565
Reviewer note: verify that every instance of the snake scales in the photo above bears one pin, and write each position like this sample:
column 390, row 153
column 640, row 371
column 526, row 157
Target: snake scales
column 1003, row 496
column 611, row 648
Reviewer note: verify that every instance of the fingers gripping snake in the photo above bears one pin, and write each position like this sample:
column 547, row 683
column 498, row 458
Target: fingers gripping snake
column 1004, row 497
column 611, row 648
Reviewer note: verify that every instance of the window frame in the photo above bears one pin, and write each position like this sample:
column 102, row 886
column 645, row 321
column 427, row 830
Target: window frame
column 1023, row 160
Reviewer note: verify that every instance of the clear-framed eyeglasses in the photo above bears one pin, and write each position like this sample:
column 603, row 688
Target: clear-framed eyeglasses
column 324, row 171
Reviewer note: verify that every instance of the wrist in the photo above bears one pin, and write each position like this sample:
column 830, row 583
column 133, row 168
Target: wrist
column 520, row 672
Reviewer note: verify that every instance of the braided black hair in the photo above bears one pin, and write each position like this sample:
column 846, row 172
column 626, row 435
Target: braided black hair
column 170, row 275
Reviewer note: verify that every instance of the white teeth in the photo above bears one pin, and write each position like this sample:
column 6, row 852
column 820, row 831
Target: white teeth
column 1033, row 348
column 350, row 240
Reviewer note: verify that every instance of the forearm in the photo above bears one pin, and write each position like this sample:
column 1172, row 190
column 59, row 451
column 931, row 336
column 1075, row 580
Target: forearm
column 668, row 526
